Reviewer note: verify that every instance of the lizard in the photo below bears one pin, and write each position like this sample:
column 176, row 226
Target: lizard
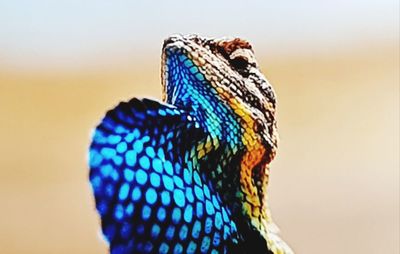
column 189, row 174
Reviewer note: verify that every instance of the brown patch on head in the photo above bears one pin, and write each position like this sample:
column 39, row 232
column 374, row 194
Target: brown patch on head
column 230, row 46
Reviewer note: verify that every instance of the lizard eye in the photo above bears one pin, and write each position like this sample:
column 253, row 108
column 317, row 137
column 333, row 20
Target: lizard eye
column 239, row 63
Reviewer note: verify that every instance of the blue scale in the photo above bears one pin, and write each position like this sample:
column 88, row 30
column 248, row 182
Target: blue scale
column 146, row 178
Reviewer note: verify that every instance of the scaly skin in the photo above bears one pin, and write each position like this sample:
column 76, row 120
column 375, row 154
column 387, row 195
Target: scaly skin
column 191, row 175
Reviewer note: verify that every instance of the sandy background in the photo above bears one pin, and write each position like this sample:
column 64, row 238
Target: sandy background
column 334, row 185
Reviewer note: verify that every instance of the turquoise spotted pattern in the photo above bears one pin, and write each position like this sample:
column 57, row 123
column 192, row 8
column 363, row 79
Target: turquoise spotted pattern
column 152, row 190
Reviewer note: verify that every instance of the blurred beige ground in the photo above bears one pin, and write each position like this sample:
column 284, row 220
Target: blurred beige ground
column 334, row 185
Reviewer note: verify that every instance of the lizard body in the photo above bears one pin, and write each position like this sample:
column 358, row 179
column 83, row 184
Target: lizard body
column 190, row 174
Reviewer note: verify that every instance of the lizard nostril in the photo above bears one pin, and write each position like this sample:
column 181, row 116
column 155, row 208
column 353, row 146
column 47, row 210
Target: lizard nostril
column 167, row 41
column 258, row 125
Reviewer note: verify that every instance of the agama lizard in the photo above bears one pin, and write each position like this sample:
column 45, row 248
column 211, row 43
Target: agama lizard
column 190, row 174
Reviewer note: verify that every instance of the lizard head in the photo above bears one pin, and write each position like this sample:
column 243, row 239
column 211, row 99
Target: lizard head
column 227, row 72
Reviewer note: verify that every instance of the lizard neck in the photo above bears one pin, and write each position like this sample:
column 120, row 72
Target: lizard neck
column 253, row 176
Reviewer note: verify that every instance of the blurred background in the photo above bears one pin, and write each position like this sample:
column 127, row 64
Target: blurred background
column 334, row 185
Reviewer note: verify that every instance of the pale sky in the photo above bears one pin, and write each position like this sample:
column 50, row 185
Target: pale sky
column 62, row 32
